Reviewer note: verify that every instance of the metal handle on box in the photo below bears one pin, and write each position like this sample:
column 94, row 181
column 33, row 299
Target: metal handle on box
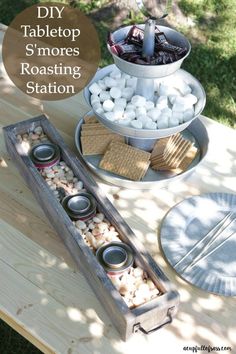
column 138, row 327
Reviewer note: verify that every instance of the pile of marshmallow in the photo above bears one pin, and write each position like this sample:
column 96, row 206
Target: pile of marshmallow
column 135, row 286
column 114, row 97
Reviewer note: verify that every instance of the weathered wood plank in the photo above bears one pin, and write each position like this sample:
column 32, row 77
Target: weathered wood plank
column 123, row 318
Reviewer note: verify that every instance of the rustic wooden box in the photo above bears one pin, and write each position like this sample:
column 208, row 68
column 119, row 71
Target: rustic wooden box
column 147, row 317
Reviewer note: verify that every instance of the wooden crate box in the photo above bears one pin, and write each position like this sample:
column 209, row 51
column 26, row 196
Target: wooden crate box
column 146, row 317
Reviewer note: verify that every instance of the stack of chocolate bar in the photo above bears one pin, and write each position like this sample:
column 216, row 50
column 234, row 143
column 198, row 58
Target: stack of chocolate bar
column 130, row 49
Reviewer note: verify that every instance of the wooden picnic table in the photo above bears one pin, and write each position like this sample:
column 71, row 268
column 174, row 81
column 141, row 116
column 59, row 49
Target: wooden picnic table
column 43, row 295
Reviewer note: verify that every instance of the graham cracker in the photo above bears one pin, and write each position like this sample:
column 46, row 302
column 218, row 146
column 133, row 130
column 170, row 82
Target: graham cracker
column 171, row 155
column 95, row 132
column 188, row 159
column 164, row 146
column 160, row 146
column 125, row 161
column 97, row 144
column 174, row 159
column 90, row 119
column 93, row 126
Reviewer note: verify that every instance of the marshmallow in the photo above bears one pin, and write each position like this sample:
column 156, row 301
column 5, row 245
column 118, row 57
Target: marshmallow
column 101, row 83
column 96, row 105
column 150, row 125
column 164, row 90
column 140, row 111
column 99, row 110
column 110, row 82
column 130, row 107
column 144, row 119
column 162, row 101
column 115, row 74
column 120, row 83
column 160, row 106
column 93, row 96
column 178, row 107
column 132, row 82
column 179, row 116
column 180, row 99
column 95, row 88
column 190, row 99
column 154, row 114
column 183, row 87
column 108, row 105
column 188, row 114
column 172, row 98
column 110, row 116
column 127, row 92
column 149, row 105
column 136, row 124
column 115, row 92
column 94, row 99
column 104, row 95
column 163, row 122
column 125, row 76
column 138, row 101
column 126, row 122
column 129, row 114
column 118, row 111
column 167, row 111
column 121, row 102
column 173, row 122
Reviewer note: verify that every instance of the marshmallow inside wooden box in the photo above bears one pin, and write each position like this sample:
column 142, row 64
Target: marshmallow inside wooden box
column 146, row 317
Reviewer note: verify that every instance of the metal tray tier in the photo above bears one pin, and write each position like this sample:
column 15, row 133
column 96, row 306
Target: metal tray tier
column 197, row 90
column 150, row 71
column 196, row 132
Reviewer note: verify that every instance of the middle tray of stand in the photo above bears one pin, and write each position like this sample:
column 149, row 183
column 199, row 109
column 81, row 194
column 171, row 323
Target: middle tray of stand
column 196, row 132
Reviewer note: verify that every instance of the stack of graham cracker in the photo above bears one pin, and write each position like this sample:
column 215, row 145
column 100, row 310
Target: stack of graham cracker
column 95, row 138
column 173, row 153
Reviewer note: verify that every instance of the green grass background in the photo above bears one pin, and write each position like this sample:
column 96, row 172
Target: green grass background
column 212, row 60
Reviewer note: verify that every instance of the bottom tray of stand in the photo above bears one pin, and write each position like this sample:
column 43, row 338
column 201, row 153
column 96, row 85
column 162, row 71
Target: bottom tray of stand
column 142, row 298
column 196, row 133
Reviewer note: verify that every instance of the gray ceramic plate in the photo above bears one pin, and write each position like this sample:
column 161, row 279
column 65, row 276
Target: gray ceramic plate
column 185, row 225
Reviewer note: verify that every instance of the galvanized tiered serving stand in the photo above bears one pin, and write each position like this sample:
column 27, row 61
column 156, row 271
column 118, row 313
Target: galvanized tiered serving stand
column 147, row 76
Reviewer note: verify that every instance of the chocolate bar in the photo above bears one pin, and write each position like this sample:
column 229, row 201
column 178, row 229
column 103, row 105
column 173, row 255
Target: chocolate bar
column 123, row 48
column 110, row 39
column 135, row 36
column 161, row 43
column 130, row 49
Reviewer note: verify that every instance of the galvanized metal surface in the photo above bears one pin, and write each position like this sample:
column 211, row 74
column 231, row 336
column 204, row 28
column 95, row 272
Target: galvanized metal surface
column 197, row 90
column 196, row 132
column 151, row 71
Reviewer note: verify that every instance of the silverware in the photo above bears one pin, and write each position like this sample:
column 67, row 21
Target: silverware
column 207, row 241
column 195, row 262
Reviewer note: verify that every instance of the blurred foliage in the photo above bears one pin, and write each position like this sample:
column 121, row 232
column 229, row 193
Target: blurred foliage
column 9, row 9
column 213, row 56
column 133, row 18
column 12, row 342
